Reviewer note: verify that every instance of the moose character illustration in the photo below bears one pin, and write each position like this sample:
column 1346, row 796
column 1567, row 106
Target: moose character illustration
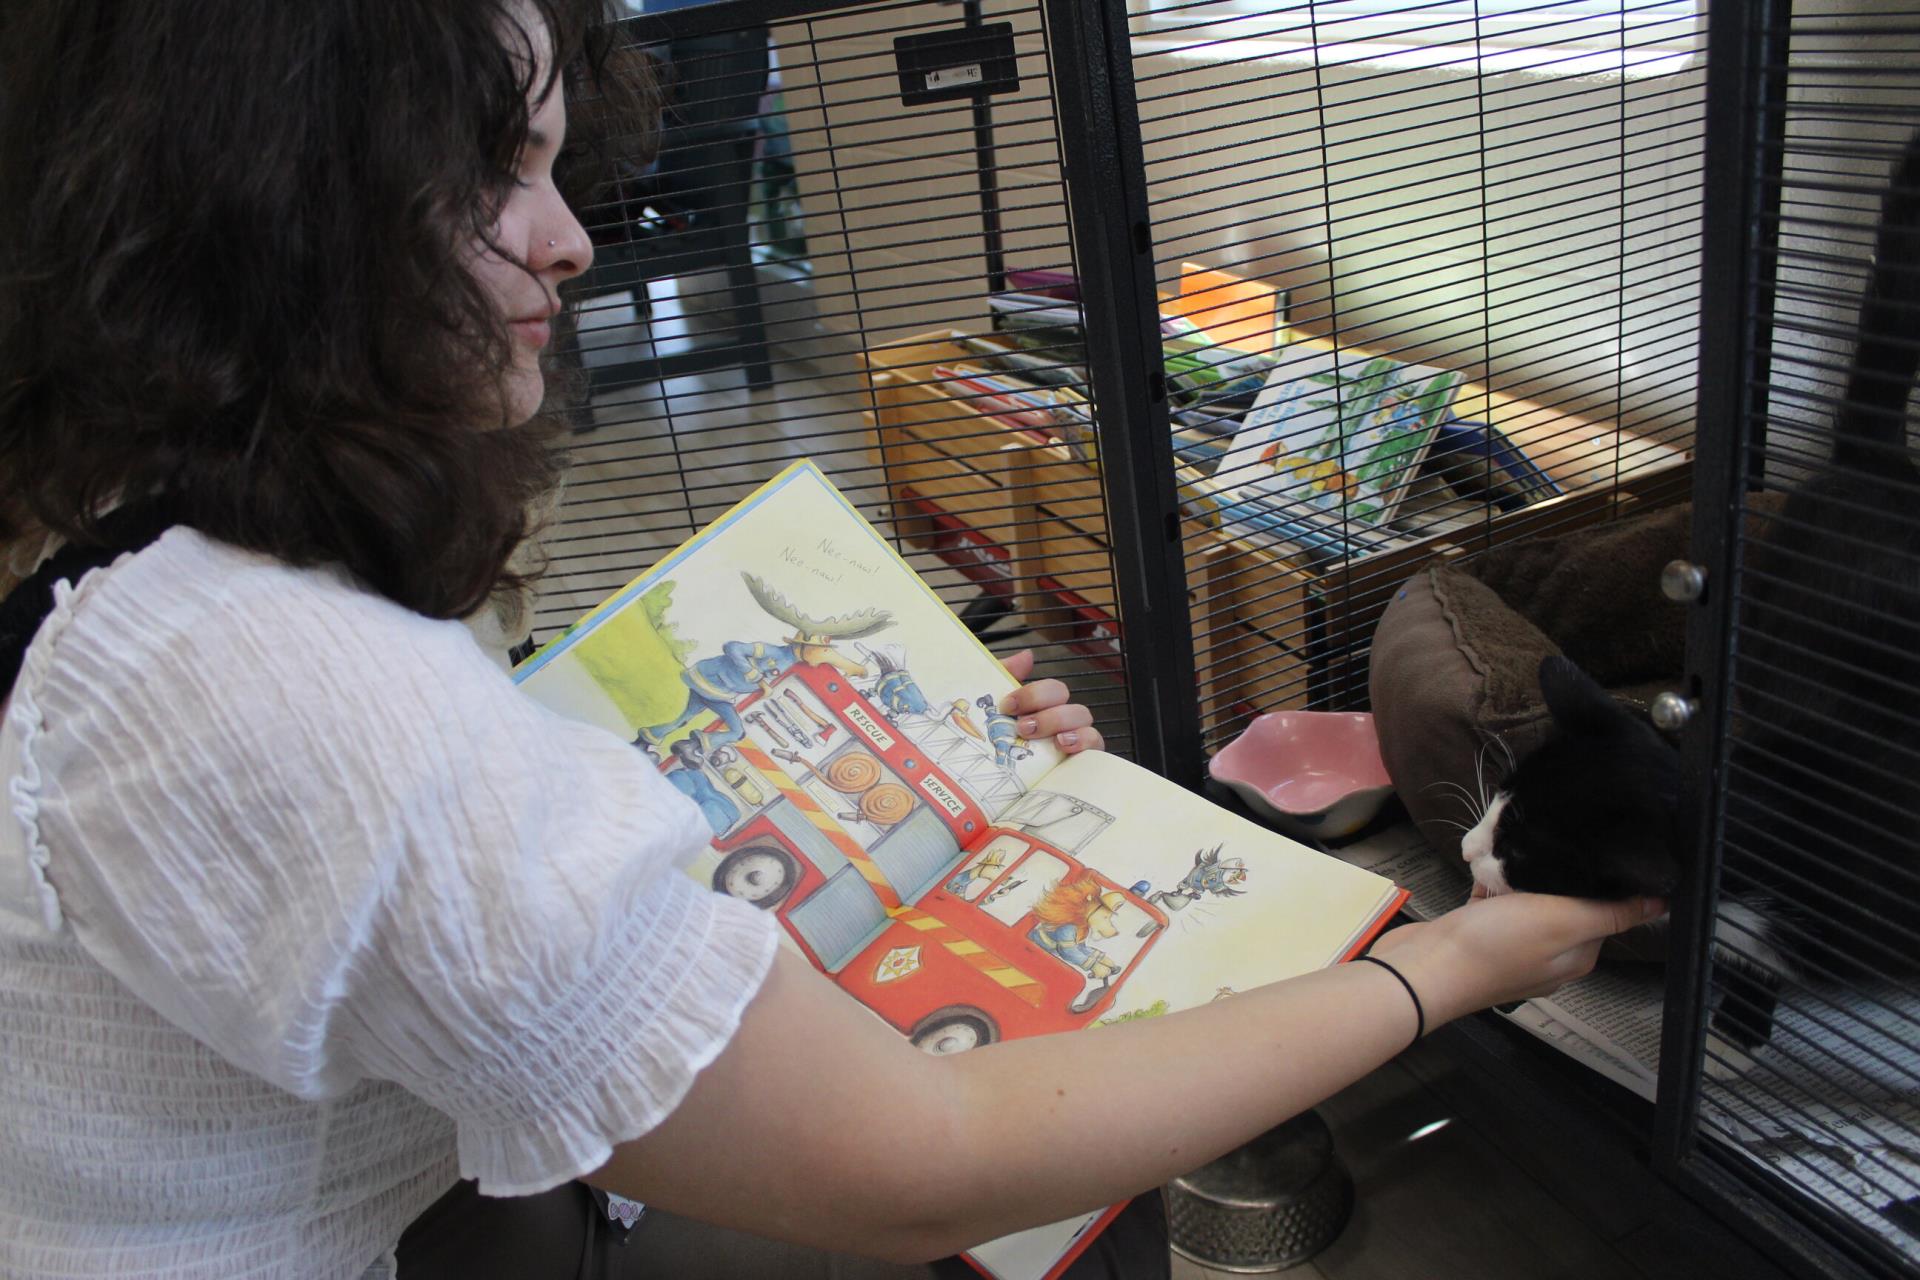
column 716, row 685
column 1211, row 876
column 1070, row 913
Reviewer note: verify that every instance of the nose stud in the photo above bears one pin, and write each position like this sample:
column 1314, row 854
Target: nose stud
column 552, row 243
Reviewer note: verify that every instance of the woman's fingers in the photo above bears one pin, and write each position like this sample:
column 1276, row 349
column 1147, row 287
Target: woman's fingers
column 1054, row 721
column 1074, row 741
column 1070, row 727
column 1038, row 696
column 1513, row 946
column 1588, row 923
column 1560, row 921
column 1019, row 665
column 1043, row 710
column 1596, row 920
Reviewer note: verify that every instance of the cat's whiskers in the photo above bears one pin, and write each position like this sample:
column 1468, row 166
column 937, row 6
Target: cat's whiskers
column 1480, row 775
column 1464, row 796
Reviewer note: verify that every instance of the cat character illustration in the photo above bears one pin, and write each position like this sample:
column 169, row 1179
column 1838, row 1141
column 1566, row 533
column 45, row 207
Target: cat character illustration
column 977, row 874
column 895, row 690
column 716, row 685
column 1211, row 877
column 1002, row 891
column 1820, row 878
column 1003, row 733
column 1070, row 914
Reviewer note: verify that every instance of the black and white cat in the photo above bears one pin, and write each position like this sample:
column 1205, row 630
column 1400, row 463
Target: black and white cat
column 1821, row 875
column 1594, row 812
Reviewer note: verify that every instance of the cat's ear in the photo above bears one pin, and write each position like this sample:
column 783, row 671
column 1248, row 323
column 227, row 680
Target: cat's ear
column 1577, row 702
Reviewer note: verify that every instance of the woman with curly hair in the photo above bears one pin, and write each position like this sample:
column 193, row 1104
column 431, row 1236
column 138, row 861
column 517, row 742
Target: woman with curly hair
column 317, row 937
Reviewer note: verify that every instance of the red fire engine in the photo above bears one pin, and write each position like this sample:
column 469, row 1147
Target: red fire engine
column 852, row 832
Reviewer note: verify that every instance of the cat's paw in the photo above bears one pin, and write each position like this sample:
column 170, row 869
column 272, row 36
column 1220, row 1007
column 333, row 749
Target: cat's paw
column 1726, row 1061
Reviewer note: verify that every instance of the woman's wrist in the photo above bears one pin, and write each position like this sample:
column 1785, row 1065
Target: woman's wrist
column 1435, row 968
column 1413, row 996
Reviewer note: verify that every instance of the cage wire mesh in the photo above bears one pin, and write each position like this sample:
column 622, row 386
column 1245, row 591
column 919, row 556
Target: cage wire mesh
column 810, row 269
column 1430, row 282
column 1480, row 221
column 1823, row 731
column 1470, row 231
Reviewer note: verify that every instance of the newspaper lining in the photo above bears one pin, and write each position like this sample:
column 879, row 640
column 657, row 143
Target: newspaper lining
column 1831, row 1103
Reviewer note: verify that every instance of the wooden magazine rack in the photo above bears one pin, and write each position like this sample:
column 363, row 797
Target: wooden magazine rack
column 1271, row 628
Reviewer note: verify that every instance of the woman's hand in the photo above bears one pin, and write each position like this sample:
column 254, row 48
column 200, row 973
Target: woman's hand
column 1042, row 710
column 1512, row 946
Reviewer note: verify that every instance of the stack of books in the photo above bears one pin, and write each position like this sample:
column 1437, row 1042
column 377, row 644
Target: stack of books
column 1318, row 455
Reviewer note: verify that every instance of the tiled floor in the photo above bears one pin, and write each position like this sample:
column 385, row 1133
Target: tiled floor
column 1441, row 1201
column 1457, row 1178
column 1457, row 1175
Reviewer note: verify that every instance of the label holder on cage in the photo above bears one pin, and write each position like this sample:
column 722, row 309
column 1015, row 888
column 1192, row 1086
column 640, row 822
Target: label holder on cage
column 961, row 62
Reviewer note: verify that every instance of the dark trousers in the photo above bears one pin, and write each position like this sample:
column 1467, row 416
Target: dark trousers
column 564, row 1235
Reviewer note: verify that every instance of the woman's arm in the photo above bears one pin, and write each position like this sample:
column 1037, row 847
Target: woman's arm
column 820, row 1125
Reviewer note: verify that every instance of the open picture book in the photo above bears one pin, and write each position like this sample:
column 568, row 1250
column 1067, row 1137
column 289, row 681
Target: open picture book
column 841, row 731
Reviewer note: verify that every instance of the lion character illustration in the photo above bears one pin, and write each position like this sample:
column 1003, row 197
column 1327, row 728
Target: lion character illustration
column 1070, row 912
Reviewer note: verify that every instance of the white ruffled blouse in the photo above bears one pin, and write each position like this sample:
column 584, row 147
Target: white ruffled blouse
column 306, row 910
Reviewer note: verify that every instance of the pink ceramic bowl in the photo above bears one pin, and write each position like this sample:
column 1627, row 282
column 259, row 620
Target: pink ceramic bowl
column 1314, row 773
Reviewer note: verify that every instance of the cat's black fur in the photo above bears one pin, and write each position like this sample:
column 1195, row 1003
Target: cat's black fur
column 1594, row 812
column 1821, row 874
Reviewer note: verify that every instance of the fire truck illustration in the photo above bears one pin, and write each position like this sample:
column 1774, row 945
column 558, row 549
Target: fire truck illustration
column 957, row 927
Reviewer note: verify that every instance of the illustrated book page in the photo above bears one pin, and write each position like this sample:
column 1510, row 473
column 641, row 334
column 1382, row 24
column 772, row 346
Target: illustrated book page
column 840, row 730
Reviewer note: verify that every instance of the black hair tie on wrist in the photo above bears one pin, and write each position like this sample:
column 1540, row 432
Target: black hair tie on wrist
column 1419, row 1013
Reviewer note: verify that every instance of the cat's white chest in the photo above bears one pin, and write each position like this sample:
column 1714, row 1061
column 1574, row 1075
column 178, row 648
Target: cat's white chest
column 1477, row 848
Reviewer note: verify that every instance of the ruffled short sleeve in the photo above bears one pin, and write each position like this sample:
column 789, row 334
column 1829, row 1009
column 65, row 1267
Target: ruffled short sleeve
column 331, row 840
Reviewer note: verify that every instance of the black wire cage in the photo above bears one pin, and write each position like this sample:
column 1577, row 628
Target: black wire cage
column 1031, row 281
column 1143, row 210
column 1801, row 651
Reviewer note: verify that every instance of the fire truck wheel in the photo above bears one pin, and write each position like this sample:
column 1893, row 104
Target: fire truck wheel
column 955, row 1029
column 762, row 874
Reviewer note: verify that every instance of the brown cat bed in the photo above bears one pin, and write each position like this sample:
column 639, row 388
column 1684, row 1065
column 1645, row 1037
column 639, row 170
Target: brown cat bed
column 1456, row 658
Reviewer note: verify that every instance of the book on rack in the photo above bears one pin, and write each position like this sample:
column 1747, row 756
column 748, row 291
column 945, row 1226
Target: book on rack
column 1046, row 282
column 1333, row 443
column 1478, row 461
column 840, row 730
column 1340, row 434
column 1002, row 355
column 1471, row 473
column 1049, row 415
column 1014, row 311
column 1049, row 330
column 1432, row 508
column 1205, row 374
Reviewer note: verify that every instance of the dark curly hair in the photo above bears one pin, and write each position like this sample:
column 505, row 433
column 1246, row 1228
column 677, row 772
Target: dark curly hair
column 231, row 281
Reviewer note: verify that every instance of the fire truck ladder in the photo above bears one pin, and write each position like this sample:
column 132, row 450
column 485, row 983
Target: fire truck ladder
column 970, row 762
